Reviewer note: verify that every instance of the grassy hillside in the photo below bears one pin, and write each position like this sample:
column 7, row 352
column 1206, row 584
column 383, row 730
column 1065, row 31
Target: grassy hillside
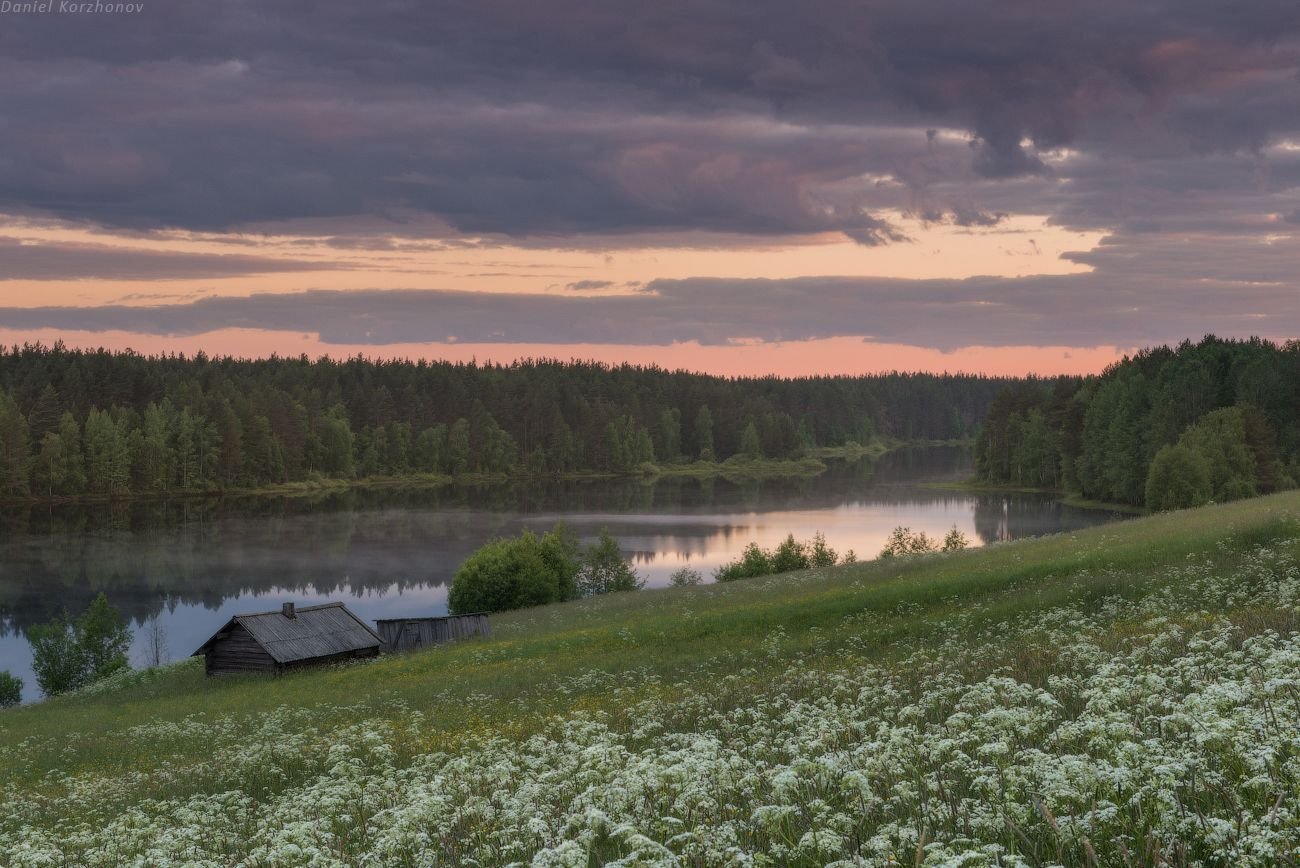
column 1124, row 695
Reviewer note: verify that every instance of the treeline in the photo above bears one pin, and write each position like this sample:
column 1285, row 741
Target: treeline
column 110, row 423
column 1167, row 428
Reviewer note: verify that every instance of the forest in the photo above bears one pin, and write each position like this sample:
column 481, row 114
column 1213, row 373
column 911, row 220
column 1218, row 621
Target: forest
column 1166, row 428
column 94, row 422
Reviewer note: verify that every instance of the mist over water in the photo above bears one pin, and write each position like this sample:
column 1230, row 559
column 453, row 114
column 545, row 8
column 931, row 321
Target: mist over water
column 391, row 552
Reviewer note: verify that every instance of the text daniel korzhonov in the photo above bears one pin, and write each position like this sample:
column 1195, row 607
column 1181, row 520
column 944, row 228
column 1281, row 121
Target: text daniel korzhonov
column 68, row 7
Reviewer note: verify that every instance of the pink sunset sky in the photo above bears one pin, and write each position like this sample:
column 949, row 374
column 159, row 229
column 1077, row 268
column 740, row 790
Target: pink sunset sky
column 723, row 186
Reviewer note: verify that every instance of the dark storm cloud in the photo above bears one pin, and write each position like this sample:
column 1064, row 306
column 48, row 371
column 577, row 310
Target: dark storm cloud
column 66, row 261
column 608, row 116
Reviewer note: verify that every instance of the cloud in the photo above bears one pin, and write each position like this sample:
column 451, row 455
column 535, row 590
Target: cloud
column 579, row 285
column 588, row 118
column 1124, row 308
column 25, row 260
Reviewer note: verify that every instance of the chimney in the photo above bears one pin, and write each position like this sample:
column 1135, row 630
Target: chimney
column 288, row 612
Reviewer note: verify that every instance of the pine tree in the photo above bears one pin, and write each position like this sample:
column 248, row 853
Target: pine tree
column 703, row 431
column 107, row 457
column 458, row 446
column 44, row 417
column 13, row 448
column 750, row 445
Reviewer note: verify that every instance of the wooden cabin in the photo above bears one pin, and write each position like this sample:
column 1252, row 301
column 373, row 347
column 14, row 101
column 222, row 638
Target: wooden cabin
column 287, row 639
column 408, row 634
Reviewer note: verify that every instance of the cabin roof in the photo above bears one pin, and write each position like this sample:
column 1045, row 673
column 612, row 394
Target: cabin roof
column 315, row 631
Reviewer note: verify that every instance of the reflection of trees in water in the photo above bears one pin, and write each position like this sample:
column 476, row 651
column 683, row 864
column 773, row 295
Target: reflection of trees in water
column 1002, row 517
column 148, row 556
column 992, row 518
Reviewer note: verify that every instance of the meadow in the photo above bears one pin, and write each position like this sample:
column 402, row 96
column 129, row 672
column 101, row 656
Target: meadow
column 1125, row 695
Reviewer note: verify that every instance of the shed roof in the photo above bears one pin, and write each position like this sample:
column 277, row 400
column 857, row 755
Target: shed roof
column 430, row 617
column 315, row 631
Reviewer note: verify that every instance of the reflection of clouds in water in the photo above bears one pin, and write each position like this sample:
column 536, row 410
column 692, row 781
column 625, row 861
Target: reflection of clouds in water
column 389, row 552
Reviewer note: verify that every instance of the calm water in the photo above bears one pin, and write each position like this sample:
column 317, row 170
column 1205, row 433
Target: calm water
column 191, row 565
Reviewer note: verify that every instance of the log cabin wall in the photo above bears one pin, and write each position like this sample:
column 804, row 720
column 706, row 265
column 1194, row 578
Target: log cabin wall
column 234, row 651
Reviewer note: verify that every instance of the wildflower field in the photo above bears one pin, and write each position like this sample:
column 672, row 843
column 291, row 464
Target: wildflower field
column 1127, row 695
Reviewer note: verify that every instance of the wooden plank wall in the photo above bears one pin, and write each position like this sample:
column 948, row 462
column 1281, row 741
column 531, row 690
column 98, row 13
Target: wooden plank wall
column 411, row 633
column 237, row 651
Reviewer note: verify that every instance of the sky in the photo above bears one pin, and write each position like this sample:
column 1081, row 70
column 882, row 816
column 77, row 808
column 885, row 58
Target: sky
column 736, row 186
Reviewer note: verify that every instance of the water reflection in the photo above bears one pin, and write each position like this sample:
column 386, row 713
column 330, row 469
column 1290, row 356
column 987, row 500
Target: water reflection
column 392, row 551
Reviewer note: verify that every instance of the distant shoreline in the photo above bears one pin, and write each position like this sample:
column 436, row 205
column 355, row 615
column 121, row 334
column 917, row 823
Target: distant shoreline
column 812, row 464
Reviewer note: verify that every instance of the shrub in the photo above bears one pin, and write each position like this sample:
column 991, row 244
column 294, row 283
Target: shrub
column 515, row 573
column 685, row 577
column 820, row 554
column 11, row 689
column 790, row 555
column 904, row 541
column 603, row 569
column 753, row 562
column 561, row 553
column 56, row 659
column 67, row 655
column 954, row 541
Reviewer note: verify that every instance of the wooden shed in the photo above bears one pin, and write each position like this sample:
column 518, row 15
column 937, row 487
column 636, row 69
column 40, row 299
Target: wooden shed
column 407, row 634
column 287, row 639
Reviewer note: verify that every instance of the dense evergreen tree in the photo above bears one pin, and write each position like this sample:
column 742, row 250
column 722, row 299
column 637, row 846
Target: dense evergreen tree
column 1167, row 428
column 668, row 445
column 108, row 466
column 750, row 445
column 156, row 424
column 13, row 448
column 704, row 434
column 58, row 467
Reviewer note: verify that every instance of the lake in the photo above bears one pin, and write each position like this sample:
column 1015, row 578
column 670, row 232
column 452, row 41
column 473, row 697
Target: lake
column 188, row 565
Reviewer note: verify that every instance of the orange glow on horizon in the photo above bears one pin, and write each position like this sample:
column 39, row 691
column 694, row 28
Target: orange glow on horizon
column 793, row 359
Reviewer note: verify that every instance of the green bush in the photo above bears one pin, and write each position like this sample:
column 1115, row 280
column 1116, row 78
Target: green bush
column 11, row 689
column 753, row 562
column 791, row 554
column 603, row 569
column 954, row 541
column 904, row 541
column 67, row 655
column 1179, row 478
column 820, row 554
column 515, row 573
column 685, row 578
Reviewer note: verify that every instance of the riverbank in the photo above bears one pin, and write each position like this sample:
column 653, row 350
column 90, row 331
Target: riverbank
column 736, row 467
column 744, row 468
column 976, row 486
column 739, row 469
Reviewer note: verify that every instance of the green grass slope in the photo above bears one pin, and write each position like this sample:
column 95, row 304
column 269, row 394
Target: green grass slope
column 1128, row 694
